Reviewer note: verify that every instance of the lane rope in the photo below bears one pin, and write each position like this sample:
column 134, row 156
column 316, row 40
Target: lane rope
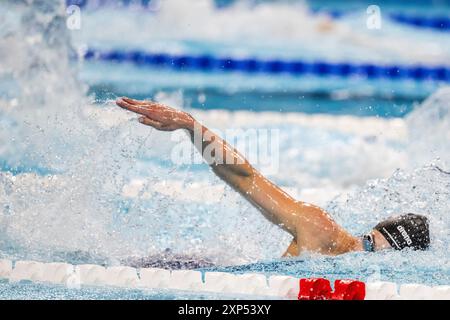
column 273, row 66
column 247, row 284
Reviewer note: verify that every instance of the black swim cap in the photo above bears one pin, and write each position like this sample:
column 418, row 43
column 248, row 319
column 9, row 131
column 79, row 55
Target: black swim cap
column 410, row 230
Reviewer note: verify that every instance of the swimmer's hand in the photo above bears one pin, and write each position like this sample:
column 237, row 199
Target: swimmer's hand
column 157, row 115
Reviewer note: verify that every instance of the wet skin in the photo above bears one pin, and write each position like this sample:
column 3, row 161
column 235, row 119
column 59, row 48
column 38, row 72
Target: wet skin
column 311, row 227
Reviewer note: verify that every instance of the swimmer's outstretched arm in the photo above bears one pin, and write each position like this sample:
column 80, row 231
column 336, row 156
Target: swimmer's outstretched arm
column 312, row 228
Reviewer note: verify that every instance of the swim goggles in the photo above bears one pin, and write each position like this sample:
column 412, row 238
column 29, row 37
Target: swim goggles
column 368, row 242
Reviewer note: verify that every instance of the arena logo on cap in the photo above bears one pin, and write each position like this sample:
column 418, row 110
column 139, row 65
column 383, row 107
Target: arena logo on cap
column 404, row 234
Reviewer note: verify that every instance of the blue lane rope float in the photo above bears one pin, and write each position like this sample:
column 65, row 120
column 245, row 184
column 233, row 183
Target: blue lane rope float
column 439, row 23
column 122, row 3
column 275, row 66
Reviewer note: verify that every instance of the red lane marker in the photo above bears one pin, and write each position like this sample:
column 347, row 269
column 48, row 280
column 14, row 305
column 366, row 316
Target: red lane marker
column 349, row 290
column 314, row 289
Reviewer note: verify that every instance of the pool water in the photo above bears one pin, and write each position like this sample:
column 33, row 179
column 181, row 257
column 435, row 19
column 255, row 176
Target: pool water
column 82, row 182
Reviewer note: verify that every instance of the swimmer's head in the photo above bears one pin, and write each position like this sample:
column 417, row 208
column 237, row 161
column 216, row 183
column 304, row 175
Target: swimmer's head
column 406, row 231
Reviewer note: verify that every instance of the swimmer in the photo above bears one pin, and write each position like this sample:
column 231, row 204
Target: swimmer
column 311, row 227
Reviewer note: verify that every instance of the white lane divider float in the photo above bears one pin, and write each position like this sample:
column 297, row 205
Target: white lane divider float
column 57, row 273
column 122, row 277
column 441, row 293
column 27, row 270
column 154, row 278
column 250, row 284
column 381, row 291
column 416, row 292
column 187, row 280
column 5, row 269
column 284, row 286
column 91, row 274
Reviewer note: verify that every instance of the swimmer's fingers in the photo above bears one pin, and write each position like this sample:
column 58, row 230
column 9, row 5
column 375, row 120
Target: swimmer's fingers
column 137, row 102
column 144, row 103
column 132, row 107
column 156, row 124
column 150, row 122
column 157, row 115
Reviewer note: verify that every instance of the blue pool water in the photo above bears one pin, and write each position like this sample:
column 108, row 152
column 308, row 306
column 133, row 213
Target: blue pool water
column 82, row 182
